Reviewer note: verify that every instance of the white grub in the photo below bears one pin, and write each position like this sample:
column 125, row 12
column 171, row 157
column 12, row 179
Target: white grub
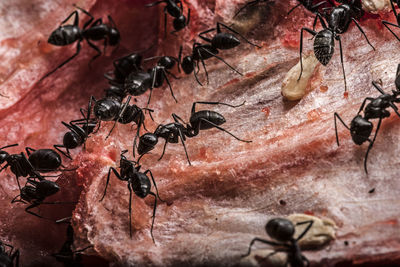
column 264, row 257
column 320, row 234
column 294, row 89
column 375, row 5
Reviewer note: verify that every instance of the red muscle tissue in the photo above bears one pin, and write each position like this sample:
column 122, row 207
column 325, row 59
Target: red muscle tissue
column 216, row 206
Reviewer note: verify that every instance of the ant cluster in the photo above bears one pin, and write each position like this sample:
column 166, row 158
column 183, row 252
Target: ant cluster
column 130, row 78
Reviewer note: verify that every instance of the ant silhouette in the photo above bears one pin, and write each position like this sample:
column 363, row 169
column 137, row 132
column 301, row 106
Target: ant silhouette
column 138, row 183
column 8, row 259
column 361, row 127
column 70, row 258
column 96, row 31
column 283, row 231
column 172, row 132
column 386, row 23
column 324, row 44
column 175, row 9
column 35, row 192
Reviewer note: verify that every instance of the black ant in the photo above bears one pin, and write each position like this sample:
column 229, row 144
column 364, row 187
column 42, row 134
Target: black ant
column 8, row 259
column 138, row 183
column 175, row 9
column 386, row 23
column 42, row 160
column 200, row 52
column 123, row 67
column 35, row 192
column 79, row 131
column 360, row 127
column 283, row 231
column 137, row 83
column 172, row 132
column 70, row 258
column 324, row 44
column 69, row 34
column 111, row 108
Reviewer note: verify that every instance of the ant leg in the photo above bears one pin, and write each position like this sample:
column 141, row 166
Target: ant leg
column 363, row 33
column 173, row 75
column 108, row 180
column 95, row 48
column 341, row 60
column 195, row 76
column 371, row 144
column 221, row 59
column 29, row 150
column 78, row 49
column 165, row 22
column 188, row 17
column 184, row 146
column 205, row 32
column 178, row 119
column 265, row 242
column 121, row 113
column 337, row 116
column 377, row 87
column 15, row 256
column 87, row 13
column 301, row 47
column 394, row 9
column 8, row 146
column 165, row 146
column 363, row 103
column 155, row 3
column 310, row 223
column 57, row 147
column 222, row 129
column 386, row 23
column 154, row 182
column 76, row 19
column 213, row 103
column 293, row 8
column 130, row 209
column 232, row 30
column 31, row 212
column 154, row 215
column 169, row 84
column 251, row 3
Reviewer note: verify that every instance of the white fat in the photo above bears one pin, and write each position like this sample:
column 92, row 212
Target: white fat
column 294, row 89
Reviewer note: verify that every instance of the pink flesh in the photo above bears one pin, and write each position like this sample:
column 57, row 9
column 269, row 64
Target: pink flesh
column 224, row 200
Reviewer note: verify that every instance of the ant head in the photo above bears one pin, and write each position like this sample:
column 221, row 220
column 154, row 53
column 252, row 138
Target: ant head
column 187, row 64
column 179, row 23
column 166, row 62
column 280, row 229
column 113, row 37
column 147, row 142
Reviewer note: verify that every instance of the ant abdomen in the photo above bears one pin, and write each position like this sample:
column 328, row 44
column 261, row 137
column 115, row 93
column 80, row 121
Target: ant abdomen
column 45, row 160
column 107, row 109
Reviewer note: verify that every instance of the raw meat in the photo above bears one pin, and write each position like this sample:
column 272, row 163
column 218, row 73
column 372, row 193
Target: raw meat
column 215, row 207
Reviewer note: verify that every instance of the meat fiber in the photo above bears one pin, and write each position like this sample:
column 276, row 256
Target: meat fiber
column 216, row 206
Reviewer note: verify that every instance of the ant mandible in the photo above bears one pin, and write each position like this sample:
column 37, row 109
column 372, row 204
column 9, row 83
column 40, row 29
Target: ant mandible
column 7, row 259
column 360, row 127
column 172, row 132
column 175, row 9
column 138, row 183
column 96, row 31
column 324, row 44
column 283, row 231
